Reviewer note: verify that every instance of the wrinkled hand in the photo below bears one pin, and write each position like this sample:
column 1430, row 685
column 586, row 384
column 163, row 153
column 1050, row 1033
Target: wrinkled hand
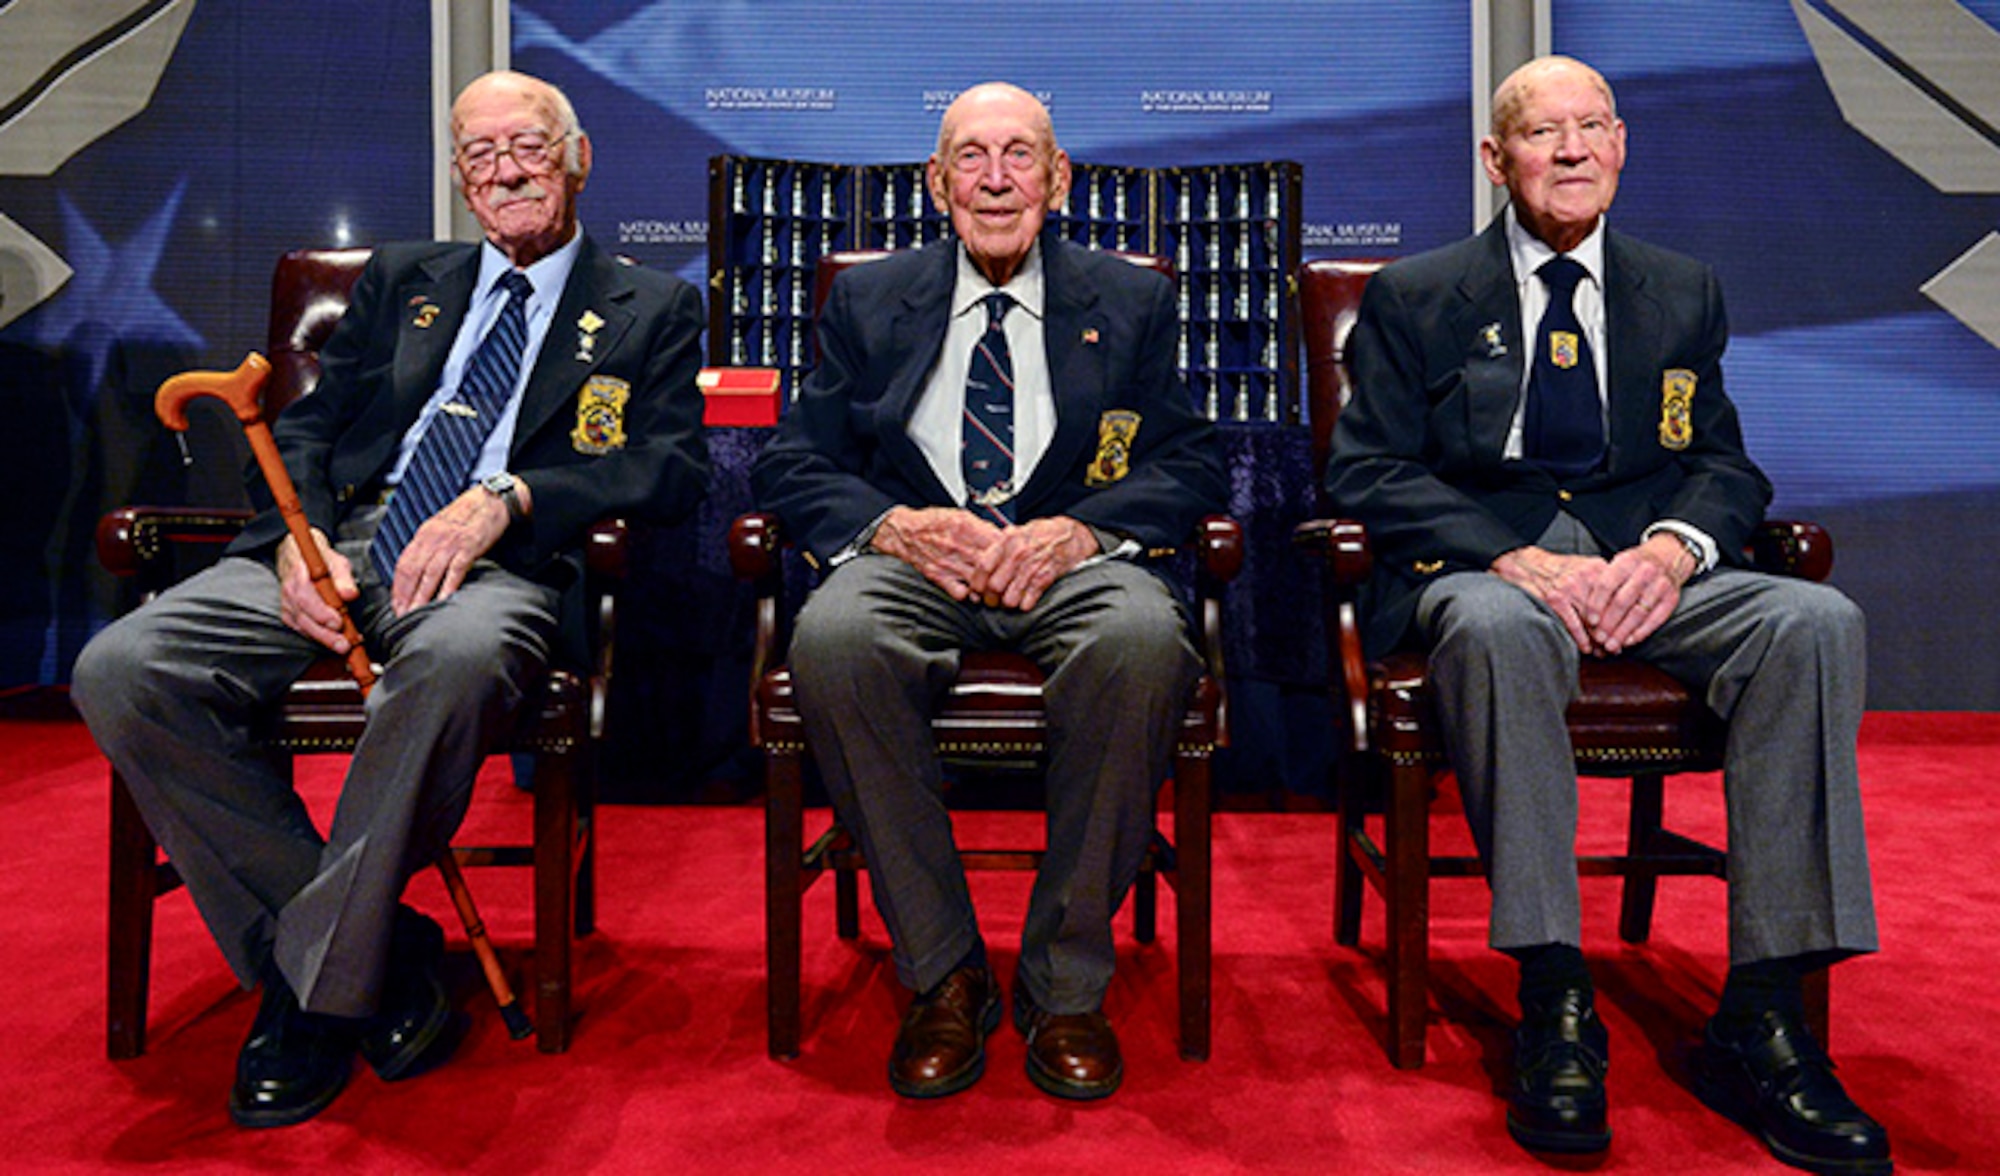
column 436, row 559
column 1637, row 592
column 1608, row 606
column 1014, row 572
column 1563, row 582
column 944, row 543
column 299, row 602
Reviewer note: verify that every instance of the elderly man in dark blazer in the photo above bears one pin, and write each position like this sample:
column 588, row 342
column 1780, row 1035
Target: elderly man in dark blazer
column 1541, row 447
column 499, row 398
column 993, row 442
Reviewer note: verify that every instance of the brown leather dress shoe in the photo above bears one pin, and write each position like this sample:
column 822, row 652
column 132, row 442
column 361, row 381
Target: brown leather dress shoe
column 1070, row 1055
column 941, row 1047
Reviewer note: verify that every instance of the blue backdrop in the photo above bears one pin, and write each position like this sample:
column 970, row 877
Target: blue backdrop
column 262, row 127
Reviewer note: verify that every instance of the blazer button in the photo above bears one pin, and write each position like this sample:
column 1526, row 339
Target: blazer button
column 1564, row 495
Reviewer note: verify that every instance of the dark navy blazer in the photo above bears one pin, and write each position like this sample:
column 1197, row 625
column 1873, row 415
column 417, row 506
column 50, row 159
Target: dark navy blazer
column 1437, row 354
column 612, row 428
column 843, row 454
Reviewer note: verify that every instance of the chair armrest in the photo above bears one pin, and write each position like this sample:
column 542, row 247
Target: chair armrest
column 1342, row 547
column 1790, row 548
column 1218, row 550
column 754, row 542
column 1341, row 544
column 141, row 541
column 605, row 548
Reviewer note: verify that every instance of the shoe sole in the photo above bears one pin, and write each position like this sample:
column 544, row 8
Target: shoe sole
column 1565, row 1142
column 257, row 1119
column 1726, row 1098
column 989, row 1020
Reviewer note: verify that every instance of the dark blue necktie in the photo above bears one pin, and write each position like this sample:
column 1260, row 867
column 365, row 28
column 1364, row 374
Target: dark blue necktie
column 1564, row 429
column 442, row 465
column 989, row 420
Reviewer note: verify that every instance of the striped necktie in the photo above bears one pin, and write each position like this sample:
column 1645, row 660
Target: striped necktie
column 989, row 419
column 442, row 465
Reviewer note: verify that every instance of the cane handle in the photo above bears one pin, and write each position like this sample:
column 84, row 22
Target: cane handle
column 241, row 390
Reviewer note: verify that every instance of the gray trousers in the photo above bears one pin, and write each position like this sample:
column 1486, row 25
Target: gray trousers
column 875, row 647
column 1781, row 659
column 173, row 692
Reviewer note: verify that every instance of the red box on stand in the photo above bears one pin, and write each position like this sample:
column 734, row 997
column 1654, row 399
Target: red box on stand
column 739, row 396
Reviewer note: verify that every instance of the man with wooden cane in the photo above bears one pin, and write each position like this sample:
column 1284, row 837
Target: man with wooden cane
column 479, row 407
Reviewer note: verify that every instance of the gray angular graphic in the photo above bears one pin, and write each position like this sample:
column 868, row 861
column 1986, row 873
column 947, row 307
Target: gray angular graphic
column 71, row 71
column 1952, row 143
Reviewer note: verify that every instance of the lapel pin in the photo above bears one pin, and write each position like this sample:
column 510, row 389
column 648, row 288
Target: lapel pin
column 1489, row 337
column 586, row 339
column 426, row 315
column 1090, row 334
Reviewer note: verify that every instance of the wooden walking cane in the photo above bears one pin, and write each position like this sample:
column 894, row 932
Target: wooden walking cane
column 242, row 391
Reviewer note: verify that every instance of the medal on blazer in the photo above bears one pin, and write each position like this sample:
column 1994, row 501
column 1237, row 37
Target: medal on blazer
column 1676, row 408
column 586, row 337
column 1115, row 431
column 600, row 416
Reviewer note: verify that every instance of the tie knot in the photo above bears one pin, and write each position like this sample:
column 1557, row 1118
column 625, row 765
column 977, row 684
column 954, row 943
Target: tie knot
column 1562, row 274
column 998, row 304
column 516, row 284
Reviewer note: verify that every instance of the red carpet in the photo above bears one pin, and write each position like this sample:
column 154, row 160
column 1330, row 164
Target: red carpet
column 668, row 1072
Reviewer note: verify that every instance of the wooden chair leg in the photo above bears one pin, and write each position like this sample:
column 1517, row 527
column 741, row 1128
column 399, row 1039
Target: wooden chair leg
column 1350, row 798
column 784, row 837
column 586, row 842
column 1193, row 886
column 556, row 787
column 846, row 901
column 1635, row 908
column 134, row 886
column 1407, row 833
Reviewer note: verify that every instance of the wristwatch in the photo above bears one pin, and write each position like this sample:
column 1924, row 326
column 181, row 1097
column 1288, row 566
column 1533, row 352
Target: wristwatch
column 504, row 487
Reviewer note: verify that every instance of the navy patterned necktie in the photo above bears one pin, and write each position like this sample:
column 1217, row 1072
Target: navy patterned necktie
column 442, row 465
column 1564, row 429
column 989, row 420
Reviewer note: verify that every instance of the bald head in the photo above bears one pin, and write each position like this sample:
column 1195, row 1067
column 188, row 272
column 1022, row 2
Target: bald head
column 1558, row 146
column 1513, row 94
column 997, row 173
column 520, row 159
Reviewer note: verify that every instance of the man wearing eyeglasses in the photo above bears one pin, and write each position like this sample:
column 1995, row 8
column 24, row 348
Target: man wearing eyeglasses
column 995, row 437
column 479, row 406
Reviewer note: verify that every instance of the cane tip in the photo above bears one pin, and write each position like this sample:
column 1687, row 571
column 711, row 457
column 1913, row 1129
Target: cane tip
column 518, row 1026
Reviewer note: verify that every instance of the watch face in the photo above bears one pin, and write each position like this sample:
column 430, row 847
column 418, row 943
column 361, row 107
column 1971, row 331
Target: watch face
column 499, row 483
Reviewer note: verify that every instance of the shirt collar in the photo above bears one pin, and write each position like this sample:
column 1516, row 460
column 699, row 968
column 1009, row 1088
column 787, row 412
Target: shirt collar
column 1025, row 287
column 548, row 276
column 1528, row 251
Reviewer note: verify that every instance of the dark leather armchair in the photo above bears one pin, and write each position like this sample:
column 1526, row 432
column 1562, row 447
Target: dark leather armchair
column 1630, row 720
column 560, row 725
column 992, row 718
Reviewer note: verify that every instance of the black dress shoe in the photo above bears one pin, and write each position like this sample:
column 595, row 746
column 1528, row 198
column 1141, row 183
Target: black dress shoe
column 415, row 1028
column 294, row 1063
column 1560, row 1054
column 1070, row 1055
column 1777, row 1081
column 941, row 1047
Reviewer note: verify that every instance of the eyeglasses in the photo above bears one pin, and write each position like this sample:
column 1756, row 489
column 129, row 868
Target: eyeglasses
column 1015, row 157
column 533, row 151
